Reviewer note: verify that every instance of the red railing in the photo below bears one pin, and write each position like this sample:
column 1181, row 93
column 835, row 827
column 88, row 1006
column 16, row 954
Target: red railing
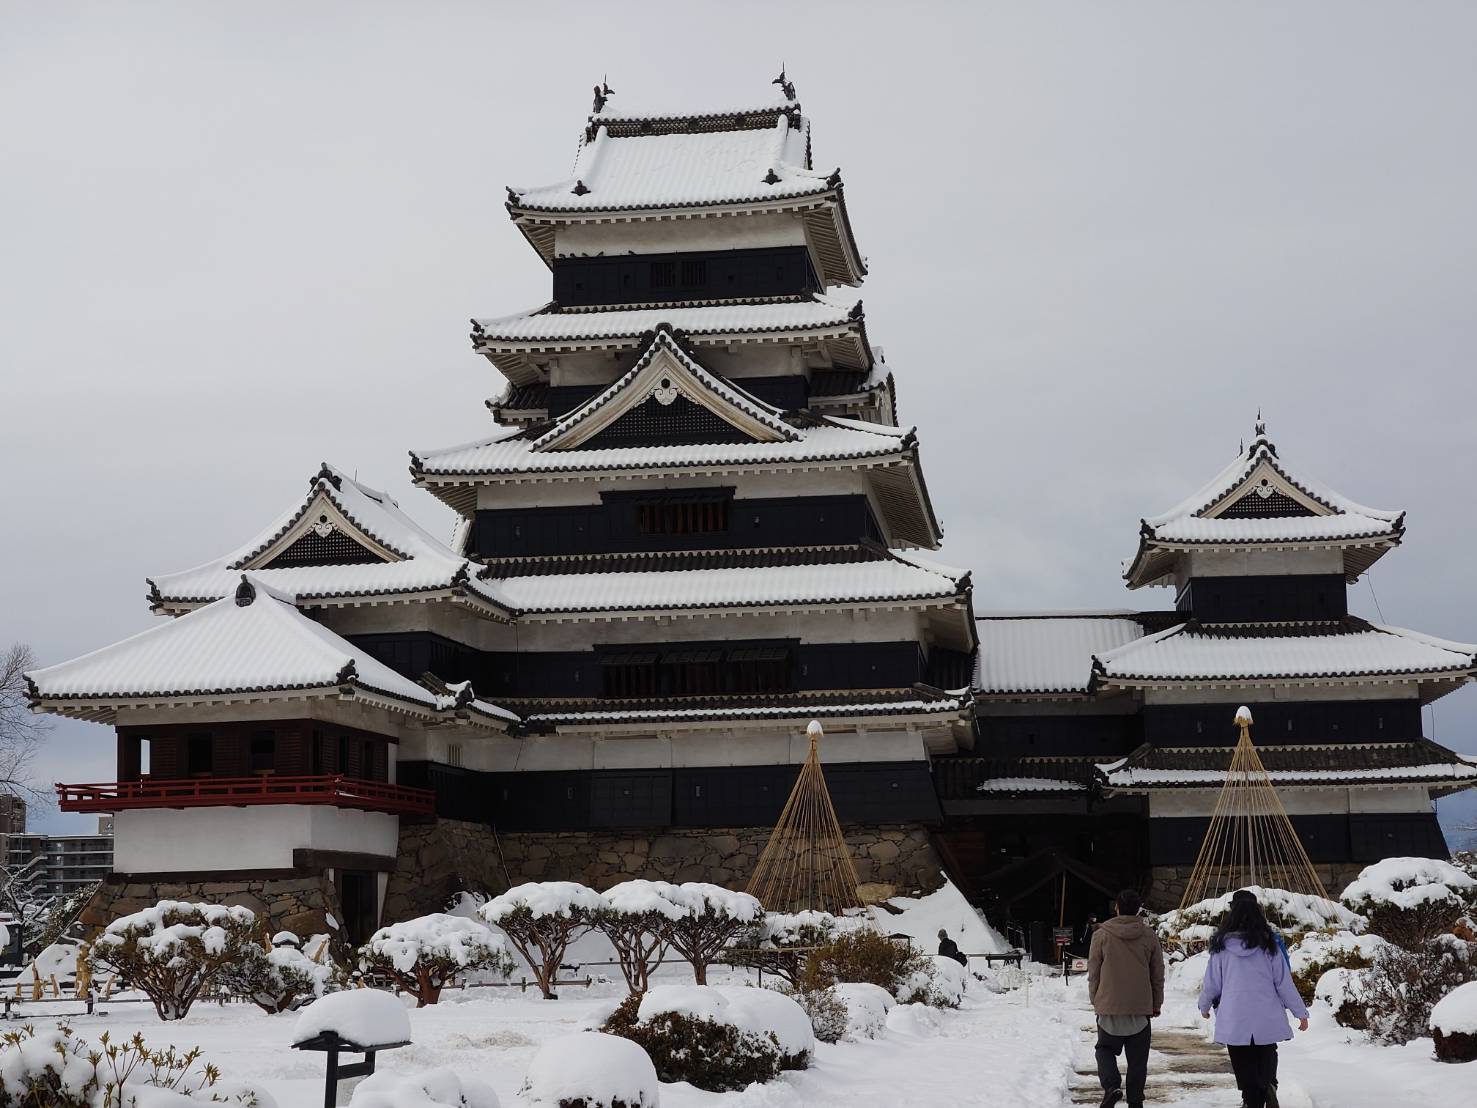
column 266, row 788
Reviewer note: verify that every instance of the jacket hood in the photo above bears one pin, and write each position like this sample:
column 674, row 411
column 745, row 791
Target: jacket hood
column 1237, row 946
column 1124, row 927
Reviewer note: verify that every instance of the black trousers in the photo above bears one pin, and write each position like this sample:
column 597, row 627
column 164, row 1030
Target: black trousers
column 1135, row 1050
column 1255, row 1067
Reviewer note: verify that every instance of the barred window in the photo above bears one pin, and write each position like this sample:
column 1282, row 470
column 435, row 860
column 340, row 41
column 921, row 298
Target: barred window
column 683, row 517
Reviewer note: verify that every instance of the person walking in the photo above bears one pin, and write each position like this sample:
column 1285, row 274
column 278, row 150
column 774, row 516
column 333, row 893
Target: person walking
column 1249, row 985
column 950, row 949
column 1125, row 983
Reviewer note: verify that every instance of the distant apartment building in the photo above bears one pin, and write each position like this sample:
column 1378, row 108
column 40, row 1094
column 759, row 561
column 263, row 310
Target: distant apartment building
column 69, row 862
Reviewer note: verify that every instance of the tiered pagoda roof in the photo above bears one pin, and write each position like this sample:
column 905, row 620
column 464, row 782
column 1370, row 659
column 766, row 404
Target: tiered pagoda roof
column 1348, row 649
column 514, row 343
column 637, row 164
column 251, row 645
column 1258, row 501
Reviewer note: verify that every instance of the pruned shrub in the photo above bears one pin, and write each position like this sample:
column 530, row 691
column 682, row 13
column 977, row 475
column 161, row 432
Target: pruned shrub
column 590, row 1069
column 716, row 1039
column 1454, row 1024
column 1410, row 901
column 1403, row 986
column 423, row 955
column 829, row 1018
column 712, row 917
column 1292, row 914
column 1321, row 951
column 939, row 982
column 864, row 955
column 284, row 977
column 867, row 1006
column 781, row 942
column 635, row 920
column 58, row 1069
column 174, row 950
column 541, row 919
column 1343, row 991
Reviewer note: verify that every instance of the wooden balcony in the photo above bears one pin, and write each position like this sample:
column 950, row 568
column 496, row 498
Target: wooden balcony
column 239, row 792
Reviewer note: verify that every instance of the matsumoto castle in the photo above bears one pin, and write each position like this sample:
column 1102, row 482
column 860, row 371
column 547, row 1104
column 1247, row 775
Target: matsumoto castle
column 697, row 527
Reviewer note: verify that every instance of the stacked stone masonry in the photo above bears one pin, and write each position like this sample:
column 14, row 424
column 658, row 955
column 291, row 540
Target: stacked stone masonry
column 437, row 861
column 1167, row 883
column 302, row 905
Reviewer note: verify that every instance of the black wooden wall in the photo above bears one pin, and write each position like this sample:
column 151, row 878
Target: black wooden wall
column 1303, row 596
column 1279, row 722
column 1327, row 838
column 691, row 275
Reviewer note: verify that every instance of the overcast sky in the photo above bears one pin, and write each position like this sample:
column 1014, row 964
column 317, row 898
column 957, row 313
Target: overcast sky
column 238, row 243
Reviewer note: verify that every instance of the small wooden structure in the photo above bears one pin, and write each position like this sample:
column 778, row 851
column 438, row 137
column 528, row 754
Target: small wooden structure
column 806, row 865
column 1250, row 840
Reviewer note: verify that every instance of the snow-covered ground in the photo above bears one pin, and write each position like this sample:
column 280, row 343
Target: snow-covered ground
column 1014, row 1048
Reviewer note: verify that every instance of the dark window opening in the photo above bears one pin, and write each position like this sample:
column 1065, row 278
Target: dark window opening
column 694, row 272
column 343, row 754
column 263, row 758
column 200, row 755
column 319, row 753
column 663, row 275
column 697, row 672
column 683, row 517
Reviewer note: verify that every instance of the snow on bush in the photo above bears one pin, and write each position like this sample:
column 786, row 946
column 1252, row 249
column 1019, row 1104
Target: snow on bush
column 1343, row 991
column 866, row 1008
column 781, row 943
column 826, row 1009
column 1291, row 913
column 541, row 919
column 368, row 1017
column 1411, row 900
column 284, row 978
column 1402, row 987
column 423, row 955
column 716, row 1039
column 57, row 1069
column 712, row 917
column 439, row 1088
column 864, row 955
column 1454, row 1024
column 937, row 981
column 1320, row 951
column 174, row 949
column 589, row 1069
column 635, row 920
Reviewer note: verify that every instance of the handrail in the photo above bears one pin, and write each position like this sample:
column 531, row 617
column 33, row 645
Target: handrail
column 266, row 788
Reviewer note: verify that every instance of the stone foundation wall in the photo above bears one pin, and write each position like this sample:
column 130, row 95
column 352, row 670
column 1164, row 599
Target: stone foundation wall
column 301, row 905
column 436, row 861
column 1167, row 883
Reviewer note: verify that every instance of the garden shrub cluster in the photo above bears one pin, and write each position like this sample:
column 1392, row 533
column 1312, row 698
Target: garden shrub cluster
column 423, row 955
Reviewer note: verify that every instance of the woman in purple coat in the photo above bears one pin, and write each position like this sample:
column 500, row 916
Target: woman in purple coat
column 1250, row 987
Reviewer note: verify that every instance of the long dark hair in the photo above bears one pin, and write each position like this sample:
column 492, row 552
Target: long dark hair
column 1246, row 920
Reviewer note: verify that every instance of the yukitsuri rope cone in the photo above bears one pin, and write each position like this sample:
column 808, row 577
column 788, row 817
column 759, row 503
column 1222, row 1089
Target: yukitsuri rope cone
column 806, row 865
column 1250, row 840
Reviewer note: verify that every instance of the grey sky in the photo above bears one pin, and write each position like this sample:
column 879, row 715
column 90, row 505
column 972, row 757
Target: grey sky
column 236, row 243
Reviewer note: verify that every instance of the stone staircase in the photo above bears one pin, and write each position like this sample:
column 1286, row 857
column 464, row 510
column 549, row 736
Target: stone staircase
column 1184, row 1070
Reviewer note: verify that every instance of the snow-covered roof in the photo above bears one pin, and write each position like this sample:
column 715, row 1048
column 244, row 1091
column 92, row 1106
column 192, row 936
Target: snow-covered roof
column 617, row 171
column 254, row 640
column 1258, row 500
column 397, row 555
column 1348, row 649
column 664, row 371
column 512, row 454
column 647, row 164
column 799, row 709
column 1418, row 762
column 1029, row 785
column 1038, row 653
column 894, row 578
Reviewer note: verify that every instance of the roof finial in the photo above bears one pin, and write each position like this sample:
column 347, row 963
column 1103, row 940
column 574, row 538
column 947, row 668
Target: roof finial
column 1261, row 424
column 603, row 92
column 786, row 85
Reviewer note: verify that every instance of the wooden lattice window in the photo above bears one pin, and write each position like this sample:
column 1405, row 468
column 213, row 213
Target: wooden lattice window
column 663, row 275
column 263, row 752
column 683, row 517
column 1272, row 504
column 331, row 548
column 694, row 272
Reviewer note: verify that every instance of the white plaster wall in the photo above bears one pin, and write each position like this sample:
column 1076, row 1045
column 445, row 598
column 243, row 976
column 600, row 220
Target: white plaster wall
column 1258, row 563
column 780, row 746
column 670, row 235
column 1299, row 801
column 550, row 494
column 853, row 625
column 167, row 840
column 349, row 713
column 728, row 359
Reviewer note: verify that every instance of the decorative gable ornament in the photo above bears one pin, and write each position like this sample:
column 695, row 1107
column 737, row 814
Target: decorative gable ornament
column 665, row 371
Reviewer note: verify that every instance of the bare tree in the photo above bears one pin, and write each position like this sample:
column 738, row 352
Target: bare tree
column 23, row 898
column 21, row 730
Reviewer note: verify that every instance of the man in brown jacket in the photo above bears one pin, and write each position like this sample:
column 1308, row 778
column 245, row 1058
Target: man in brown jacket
column 1125, row 982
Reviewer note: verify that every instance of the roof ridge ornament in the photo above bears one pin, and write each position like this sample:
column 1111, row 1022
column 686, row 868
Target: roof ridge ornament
column 245, row 592
column 1261, row 425
column 786, row 85
column 603, row 92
